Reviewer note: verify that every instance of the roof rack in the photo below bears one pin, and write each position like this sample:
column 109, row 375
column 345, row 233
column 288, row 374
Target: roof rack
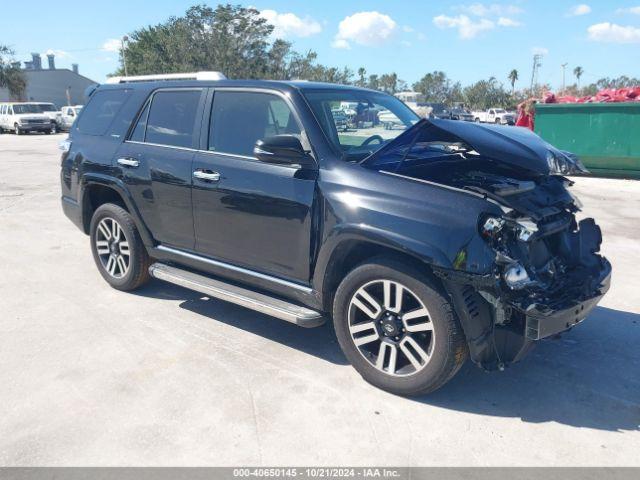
column 169, row 76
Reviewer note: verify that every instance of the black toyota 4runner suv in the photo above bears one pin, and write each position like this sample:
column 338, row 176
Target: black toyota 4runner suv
column 426, row 242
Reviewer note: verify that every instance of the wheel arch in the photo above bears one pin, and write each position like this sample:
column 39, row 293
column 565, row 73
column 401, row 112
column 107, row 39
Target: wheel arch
column 352, row 251
column 96, row 190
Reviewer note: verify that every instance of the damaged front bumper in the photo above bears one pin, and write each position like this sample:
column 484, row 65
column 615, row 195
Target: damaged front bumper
column 502, row 324
column 546, row 319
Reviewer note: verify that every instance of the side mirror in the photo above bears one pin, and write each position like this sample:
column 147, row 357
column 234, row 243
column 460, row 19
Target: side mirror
column 282, row 150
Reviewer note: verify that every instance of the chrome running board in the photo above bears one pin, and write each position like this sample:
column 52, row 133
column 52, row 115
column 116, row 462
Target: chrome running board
column 275, row 307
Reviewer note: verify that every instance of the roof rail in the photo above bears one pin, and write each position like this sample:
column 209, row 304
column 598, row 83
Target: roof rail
column 168, row 76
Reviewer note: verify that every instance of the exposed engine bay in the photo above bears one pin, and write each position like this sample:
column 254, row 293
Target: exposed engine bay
column 547, row 274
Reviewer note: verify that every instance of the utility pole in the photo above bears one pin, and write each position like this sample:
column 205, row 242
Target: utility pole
column 537, row 63
column 564, row 65
column 125, row 39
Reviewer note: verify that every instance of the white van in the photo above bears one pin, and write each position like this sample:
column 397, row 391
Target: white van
column 53, row 112
column 21, row 117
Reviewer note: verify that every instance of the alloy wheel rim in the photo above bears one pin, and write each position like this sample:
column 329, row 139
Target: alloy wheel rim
column 112, row 247
column 391, row 328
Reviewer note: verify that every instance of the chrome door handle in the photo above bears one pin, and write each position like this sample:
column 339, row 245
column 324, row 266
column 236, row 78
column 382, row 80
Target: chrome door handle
column 128, row 162
column 207, row 176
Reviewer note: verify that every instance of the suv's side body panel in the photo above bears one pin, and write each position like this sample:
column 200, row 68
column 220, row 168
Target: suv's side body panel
column 313, row 214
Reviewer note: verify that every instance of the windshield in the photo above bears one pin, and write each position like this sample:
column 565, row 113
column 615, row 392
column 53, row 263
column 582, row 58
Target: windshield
column 424, row 143
column 500, row 110
column 359, row 122
column 47, row 107
column 77, row 110
column 26, row 108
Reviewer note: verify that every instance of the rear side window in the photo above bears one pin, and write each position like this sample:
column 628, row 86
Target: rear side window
column 141, row 126
column 239, row 119
column 171, row 119
column 99, row 113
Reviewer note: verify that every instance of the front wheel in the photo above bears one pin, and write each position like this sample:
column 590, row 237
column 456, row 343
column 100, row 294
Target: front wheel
column 117, row 248
column 17, row 130
column 396, row 328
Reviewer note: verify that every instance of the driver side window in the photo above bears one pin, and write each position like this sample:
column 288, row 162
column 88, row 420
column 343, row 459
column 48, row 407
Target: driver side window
column 240, row 119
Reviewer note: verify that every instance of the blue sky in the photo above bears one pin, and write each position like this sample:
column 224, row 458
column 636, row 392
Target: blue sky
column 469, row 40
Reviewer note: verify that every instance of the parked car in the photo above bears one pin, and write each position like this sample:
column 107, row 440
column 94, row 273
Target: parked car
column 54, row 114
column 495, row 115
column 340, row 119
column 438, row 110
column 389, row 120
column 461, row 114
column 68, row 116
column 22, row 117
column 438, row 241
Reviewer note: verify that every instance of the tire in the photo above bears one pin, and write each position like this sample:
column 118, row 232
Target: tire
column 477, row 120
column 17, row 130
column 54, row 129
column 497, row 121
column 438, row 333
column 48, row 132
column 120, row 274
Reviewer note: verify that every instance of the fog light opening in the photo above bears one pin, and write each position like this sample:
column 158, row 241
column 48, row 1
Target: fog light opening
column 516, row 277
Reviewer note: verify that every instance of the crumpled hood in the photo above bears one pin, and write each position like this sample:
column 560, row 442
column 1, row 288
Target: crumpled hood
column 515, row 146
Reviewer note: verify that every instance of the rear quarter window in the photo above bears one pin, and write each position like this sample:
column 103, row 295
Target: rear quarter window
column 101, row 110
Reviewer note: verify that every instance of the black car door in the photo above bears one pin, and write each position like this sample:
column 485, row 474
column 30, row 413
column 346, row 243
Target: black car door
column 246, row 212
column 156, row 163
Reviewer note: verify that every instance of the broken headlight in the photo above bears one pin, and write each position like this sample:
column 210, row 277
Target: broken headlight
column 526, row 229
column 564, row 163
column 491, row 226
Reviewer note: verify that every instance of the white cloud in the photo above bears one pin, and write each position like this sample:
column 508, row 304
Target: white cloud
column 290, row 25
column 341, row 44
column 577, row 10
column 405, row 43
column 613, row 33
column 57, row 53
column 482, row 10
column 508, row 22
column 630, row 10
column 365, row 28
column 467, row 28
column 112, row 45
column 407, row 28
column 539, row 51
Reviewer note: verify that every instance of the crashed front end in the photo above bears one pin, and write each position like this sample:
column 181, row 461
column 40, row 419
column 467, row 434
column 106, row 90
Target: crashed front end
column 546, row 278
column 526, row 273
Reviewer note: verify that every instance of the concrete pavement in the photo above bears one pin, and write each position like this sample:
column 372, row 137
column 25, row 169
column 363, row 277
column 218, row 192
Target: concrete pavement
column 164, row 376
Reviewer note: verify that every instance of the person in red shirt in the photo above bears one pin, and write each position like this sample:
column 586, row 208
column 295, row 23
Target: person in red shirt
column 526, row 113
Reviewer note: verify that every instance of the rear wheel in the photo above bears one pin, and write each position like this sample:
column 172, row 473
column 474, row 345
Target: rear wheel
column 396, row 329
column 117, row 248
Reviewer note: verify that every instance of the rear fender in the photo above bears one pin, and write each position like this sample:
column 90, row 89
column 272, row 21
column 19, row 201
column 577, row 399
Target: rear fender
column 90, row 179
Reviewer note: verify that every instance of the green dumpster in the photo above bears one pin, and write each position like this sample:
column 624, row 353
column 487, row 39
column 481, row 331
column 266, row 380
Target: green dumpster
column 606, row 136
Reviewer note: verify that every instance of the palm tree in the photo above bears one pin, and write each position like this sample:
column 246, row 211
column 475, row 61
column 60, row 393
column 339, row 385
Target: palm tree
column 578, row 71
column 513, row 78
column 361, row 77
column 11, row 77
